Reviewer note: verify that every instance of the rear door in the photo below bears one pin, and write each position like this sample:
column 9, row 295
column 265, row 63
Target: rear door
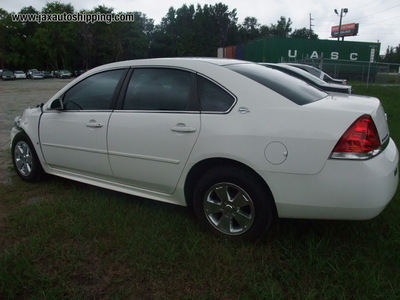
column 153, row 133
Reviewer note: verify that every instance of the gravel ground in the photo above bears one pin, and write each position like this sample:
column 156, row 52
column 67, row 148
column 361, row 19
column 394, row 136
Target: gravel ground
column 15, row 96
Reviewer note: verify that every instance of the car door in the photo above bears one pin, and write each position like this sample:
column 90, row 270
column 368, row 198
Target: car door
column 74, row 139
column 150, row 138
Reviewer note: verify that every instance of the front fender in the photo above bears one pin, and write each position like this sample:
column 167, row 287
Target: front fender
column 29, row 123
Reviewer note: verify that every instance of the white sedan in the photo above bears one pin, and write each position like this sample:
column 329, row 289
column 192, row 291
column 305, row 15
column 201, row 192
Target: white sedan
column 20, row 75
column 239, row 143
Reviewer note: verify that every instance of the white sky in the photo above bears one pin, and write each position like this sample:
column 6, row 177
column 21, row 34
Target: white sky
column 379, row 20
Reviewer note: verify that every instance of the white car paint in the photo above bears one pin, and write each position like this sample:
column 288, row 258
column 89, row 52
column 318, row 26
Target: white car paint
column 140, row 153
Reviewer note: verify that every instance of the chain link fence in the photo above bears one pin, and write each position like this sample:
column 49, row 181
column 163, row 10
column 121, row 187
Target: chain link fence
column 380, row 73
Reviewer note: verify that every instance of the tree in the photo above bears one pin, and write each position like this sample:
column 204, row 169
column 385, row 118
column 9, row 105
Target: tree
column 392, row 54
column 56, row 39
column 165, row 36
column 282, row 28
column 304, row 33
column 252, row 28
column 187, row 31
column 192, row 32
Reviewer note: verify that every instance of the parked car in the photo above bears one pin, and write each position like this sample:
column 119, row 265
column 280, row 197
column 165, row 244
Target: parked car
column 77, row 73
column 64, row 74
column 239, row 143
column 36, row 75
column 318, row 73
column 7, row 75
column 310, row 79
column 20, row 75
column 29, row 73
column 47, row 74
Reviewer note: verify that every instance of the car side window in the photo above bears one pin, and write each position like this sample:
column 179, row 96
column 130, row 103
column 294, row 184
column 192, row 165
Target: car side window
column 159, row 89
column 93, row 93
column 212, row 97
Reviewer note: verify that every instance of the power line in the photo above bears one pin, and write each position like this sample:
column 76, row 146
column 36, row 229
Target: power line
column 380, row 21
column 376, row 12
column 364, row 5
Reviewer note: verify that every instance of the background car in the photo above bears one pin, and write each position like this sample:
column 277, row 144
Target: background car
column 310, row 79
column 64, row 74
column 318, row 73
column 7, row 75
column 47, row 74
column 29, row 73
column 77, row 73
column 20, row 75
column 35, row 74
column 239, row 143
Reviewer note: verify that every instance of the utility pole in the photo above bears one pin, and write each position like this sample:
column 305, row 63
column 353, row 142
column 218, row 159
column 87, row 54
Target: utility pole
column 311, row 25
column 345, row 11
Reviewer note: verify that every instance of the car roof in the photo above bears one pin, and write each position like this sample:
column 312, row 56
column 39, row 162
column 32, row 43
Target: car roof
column 187, row 61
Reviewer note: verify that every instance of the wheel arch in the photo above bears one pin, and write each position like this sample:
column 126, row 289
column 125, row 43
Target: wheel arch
column 212, row 163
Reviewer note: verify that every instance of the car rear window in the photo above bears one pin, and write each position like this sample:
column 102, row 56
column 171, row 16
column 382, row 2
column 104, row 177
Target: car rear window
column 288, row 86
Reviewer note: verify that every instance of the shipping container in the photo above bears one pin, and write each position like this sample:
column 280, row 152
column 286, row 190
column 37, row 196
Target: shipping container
column 230, row 52
column 337, row 58
column 289, row 49
column 240, row 51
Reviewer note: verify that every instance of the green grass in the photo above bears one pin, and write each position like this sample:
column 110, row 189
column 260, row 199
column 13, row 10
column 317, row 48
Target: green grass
column 64, row 240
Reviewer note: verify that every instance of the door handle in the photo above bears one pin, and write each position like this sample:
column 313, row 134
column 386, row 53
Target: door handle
column 94, row 124
column 183, row 128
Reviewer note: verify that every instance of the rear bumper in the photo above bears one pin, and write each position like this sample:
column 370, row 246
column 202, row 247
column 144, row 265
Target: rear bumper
column 349, row 190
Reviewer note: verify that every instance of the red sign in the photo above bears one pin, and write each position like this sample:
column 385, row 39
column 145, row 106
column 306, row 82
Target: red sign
column 345, row 30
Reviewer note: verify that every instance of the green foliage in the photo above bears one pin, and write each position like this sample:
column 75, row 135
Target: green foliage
column 392, row 55
column 304, row 33
column 282, row 28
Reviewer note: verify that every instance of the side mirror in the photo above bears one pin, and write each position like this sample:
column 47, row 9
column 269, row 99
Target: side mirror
column 57, row 104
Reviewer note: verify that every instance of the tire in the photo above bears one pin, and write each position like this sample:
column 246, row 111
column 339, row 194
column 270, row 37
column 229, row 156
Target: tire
column 234, row 204
column 25, row 160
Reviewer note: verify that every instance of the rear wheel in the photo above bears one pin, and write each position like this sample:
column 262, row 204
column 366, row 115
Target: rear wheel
column 232, row 203
column 25, row 160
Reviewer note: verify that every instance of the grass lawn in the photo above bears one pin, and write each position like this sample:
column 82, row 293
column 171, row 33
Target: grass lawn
column 65, row 240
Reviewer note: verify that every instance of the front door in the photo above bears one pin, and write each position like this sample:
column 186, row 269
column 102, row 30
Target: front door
column 75, row 138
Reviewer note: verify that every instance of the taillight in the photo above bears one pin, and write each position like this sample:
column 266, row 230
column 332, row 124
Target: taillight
column 360, row 141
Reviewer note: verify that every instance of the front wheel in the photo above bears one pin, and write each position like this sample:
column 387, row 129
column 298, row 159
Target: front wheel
column 25, row 160
column 233, row 203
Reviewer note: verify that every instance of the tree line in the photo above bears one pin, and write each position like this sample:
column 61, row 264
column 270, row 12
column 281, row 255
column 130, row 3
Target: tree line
column 187, row 31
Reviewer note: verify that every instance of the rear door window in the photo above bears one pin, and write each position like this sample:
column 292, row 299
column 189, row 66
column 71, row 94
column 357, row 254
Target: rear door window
column 158, row 89
column 213, row 98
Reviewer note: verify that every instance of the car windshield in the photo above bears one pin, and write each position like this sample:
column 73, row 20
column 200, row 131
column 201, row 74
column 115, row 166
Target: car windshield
column 290, row 87
column 7, row 73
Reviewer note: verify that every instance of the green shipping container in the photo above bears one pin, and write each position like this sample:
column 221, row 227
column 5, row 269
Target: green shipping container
column 338, row 58
column 288, row 49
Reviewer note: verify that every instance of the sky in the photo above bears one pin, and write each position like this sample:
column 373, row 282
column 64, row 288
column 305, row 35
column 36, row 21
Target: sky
column 378, row 20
